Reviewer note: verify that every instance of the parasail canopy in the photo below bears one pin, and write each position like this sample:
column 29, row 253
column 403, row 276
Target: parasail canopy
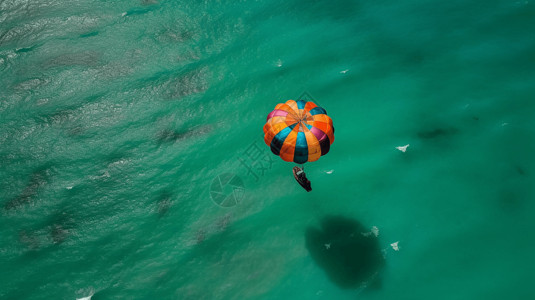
column 299, row 131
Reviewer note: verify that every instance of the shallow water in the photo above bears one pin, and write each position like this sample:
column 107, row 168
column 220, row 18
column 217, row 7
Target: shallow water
column 133, row 163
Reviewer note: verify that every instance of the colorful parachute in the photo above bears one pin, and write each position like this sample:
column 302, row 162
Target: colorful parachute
column 299, row 131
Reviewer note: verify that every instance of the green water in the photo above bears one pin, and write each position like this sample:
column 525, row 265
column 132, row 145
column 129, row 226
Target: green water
column 117, row 119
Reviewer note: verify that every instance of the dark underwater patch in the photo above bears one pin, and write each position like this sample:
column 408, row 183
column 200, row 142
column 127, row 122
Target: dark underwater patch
column 190, row 83
column 54, row 231
column 520, row 171
column 141, row 10
column 38, row 179
column 175, row 35
column 437, row 133
column 170, row 136
column 89, row 34
column 164, row 202
column 60, row 116
column 223, row 222
column 62, row 225
column 26, row 49
column 349, row 258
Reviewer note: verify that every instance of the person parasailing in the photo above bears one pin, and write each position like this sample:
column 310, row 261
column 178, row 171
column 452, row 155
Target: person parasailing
column 301, row 177
column 299, row 131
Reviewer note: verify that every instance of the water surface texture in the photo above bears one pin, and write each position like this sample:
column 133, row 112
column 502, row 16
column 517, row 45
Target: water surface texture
column 133, row 166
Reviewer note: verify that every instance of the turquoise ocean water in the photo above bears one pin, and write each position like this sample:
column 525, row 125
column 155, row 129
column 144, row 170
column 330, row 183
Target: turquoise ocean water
column 133, row 166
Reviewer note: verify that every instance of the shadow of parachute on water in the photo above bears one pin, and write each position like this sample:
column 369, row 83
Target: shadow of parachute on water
column 349, row 257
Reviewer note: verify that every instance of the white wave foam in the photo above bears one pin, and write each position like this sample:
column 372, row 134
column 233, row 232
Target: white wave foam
column 402, row 148
column 375, row 230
